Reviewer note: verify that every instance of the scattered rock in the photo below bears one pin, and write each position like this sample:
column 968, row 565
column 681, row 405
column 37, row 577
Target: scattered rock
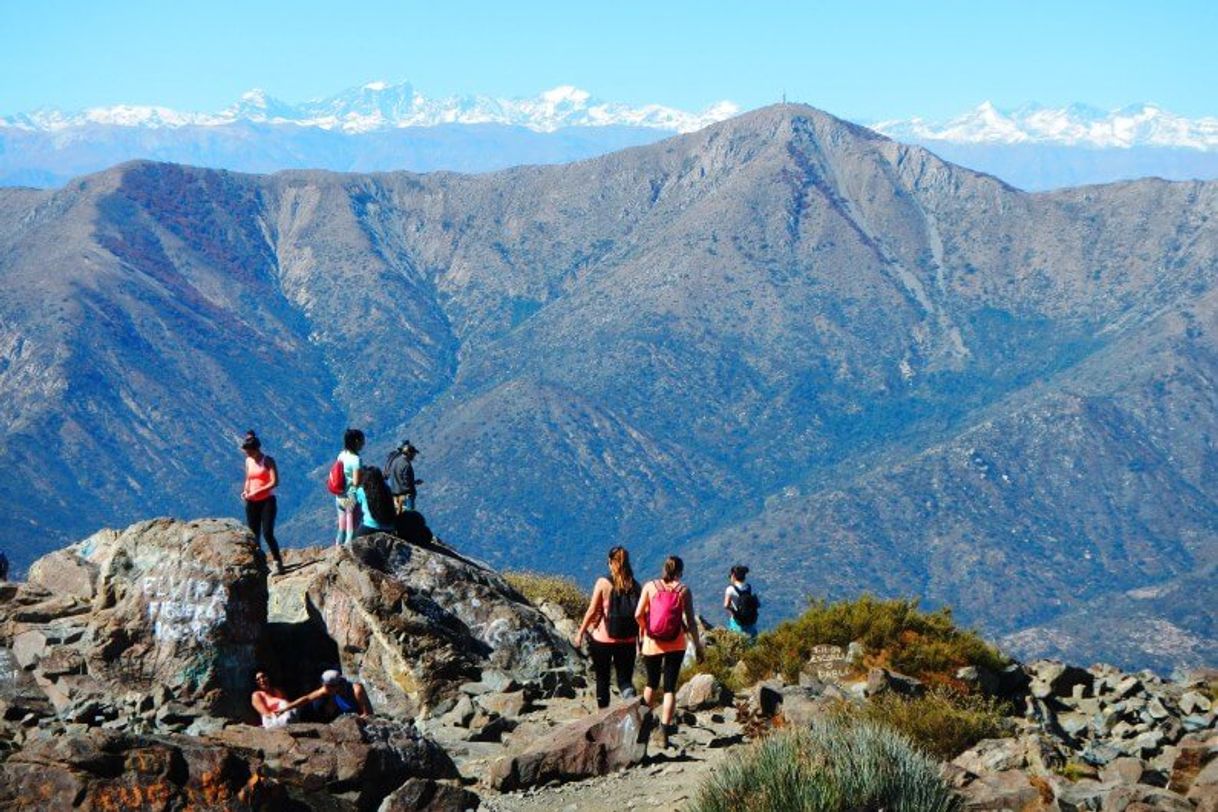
column 703, row 692
column 424, row 795
column 606, row 741
column 1009, row 790
column 881, row 680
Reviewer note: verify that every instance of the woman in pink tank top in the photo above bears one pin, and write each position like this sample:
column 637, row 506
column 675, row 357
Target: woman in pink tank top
column 261, row 479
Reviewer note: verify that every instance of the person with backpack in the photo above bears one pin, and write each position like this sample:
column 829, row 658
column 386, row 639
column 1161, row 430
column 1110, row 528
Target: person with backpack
column 666, row 617
column 614, row 630
column 399, row 472
column 345, row 477
column 741, row 603
column 258, row 493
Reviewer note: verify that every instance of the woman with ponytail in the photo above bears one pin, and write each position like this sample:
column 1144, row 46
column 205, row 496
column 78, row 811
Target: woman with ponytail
column 614, row 630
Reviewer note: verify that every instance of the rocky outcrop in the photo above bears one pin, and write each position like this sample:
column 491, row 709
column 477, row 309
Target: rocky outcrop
column 606, row 741
column 349, row 765
column 414, row 622
column 122, row 622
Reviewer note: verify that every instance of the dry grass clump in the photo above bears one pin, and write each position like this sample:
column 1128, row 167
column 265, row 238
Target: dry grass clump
column 834, row 765
column 943, row 723
column 540, row 588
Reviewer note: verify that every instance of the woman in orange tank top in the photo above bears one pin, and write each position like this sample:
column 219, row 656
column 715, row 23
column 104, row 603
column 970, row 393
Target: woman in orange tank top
column 261, row 479
column 614, row 631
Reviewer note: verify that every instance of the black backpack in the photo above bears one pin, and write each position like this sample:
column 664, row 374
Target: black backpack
column 620, row 622
column 747, row 605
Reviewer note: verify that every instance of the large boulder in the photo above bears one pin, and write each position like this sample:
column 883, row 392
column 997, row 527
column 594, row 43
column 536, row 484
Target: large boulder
column 166, row 608
column 602, row 743
column 411, row 621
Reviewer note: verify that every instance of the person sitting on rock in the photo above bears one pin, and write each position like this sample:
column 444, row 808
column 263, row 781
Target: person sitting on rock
column 270, row 702
column 377, row 514
column 335, row 697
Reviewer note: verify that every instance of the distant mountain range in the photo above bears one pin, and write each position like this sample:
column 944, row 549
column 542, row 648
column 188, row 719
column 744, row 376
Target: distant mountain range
column 783, row 339
column 381, row 126
column 378, row 106
column 1036, row 147
column 1140, row 125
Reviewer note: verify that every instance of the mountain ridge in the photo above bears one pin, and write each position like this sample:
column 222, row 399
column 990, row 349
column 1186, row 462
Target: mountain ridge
column 648, row 348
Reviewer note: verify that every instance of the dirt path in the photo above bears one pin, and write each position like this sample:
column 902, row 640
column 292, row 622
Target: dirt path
column 663, row 782
column 667, row 779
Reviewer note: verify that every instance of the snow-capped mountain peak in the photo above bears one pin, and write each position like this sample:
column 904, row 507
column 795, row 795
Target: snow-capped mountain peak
column 1137, row 125
column 381, row 105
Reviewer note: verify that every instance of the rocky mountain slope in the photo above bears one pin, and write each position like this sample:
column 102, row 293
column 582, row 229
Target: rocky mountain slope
column 126, row 666
column 783, row 339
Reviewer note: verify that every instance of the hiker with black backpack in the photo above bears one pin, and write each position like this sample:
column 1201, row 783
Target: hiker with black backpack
column 666, row 617
column 614, row 629
column 345, row 477
column 741, row 603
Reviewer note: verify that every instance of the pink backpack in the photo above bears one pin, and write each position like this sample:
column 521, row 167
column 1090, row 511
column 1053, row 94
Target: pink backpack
column 666, row 613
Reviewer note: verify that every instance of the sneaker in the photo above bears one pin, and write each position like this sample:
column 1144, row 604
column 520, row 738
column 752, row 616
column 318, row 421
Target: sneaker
column 627, row 693
column 279, row 568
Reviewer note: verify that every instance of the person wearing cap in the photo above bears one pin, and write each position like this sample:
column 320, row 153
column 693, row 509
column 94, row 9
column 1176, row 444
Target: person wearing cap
column 399, row 471
column 336, row 696
column 261, row 479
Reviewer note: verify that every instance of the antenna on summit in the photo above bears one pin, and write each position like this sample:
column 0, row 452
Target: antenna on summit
column 784, row 96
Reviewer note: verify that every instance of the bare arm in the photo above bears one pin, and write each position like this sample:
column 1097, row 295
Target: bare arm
column 691, row 620
column 640, row 614
column 306, row 699
column 593, row 615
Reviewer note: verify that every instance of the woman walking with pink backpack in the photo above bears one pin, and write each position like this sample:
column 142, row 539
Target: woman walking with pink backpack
column 666, row 616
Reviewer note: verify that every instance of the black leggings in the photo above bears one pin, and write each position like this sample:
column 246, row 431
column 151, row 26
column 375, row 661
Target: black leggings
column 260, row 516
column 669, row 663
column 619, row 656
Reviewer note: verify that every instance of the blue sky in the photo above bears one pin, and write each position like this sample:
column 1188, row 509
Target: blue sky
column 863, row 60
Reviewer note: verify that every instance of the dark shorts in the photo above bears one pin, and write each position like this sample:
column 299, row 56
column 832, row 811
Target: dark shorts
column 669, row 664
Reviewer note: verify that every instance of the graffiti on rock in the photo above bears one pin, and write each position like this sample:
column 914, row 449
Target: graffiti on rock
column 182, row 607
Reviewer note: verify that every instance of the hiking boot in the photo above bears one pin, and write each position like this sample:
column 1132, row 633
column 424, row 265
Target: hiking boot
column 279, row 568
column 660, row 737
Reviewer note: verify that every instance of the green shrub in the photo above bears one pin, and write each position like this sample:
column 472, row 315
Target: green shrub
column 943, row 723
column 833, row 766
column 894, row 633
column 539, row 588
column 724, row 649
